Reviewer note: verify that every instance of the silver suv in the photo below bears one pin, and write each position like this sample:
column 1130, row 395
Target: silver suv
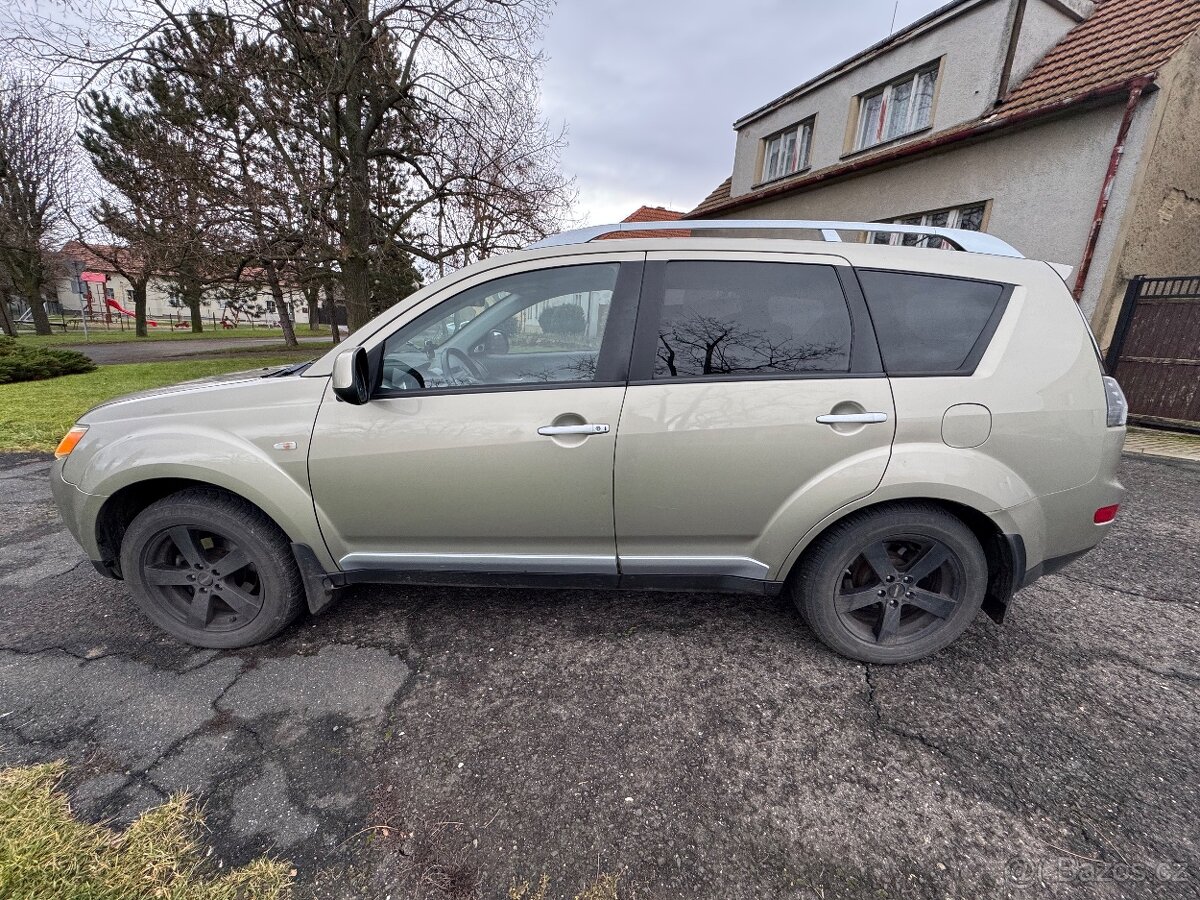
column 894, row 436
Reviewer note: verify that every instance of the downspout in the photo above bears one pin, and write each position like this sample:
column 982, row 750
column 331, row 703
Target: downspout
column 1136, row 89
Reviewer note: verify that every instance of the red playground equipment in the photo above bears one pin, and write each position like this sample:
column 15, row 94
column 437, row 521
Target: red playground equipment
column 113, row 304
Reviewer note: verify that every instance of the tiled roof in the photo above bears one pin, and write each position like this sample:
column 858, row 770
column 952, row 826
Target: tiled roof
column 1120, row 41
column 718, row 196
column 650, row 214
column 99, row 257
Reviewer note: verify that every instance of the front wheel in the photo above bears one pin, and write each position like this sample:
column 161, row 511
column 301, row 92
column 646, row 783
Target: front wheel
column 211, row 569
column 893, row 584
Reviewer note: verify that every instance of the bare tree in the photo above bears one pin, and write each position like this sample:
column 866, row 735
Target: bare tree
column 37, row 157
column 402, row 129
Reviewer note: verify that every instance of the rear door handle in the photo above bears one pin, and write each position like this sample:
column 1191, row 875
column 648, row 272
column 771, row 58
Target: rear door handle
column 594, row 428
column 864, row 418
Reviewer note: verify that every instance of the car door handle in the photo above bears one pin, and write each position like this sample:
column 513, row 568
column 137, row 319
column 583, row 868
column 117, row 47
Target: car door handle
column 864, row 418
column 594, row 428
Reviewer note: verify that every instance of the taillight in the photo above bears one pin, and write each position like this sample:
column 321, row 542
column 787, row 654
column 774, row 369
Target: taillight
column 1106, row 514
column 1118, row 406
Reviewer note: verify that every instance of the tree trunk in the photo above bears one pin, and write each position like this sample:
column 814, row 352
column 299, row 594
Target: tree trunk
column 139, row 307
column 312, row 293
column 6, row 322
column 193, row 293
column 37, row 305
column 281, row 307
column 331, row 308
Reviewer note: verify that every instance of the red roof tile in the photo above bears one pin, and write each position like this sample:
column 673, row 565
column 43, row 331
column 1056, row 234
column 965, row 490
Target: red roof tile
column 1120, row 41
column 650, row 214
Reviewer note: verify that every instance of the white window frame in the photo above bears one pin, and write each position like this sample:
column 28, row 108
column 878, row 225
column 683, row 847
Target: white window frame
column 871, row 132
column 953, row 220
column 803, row 131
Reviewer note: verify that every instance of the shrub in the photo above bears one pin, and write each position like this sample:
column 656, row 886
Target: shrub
column 566, row 318
column 24, row 362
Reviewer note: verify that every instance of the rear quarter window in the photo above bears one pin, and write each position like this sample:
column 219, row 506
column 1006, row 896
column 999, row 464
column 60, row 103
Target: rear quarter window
column 932, row 324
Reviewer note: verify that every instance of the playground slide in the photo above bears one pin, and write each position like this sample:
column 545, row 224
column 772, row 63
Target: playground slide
column 123, row 311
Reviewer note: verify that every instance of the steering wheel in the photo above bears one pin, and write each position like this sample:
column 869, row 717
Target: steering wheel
column 453, row 353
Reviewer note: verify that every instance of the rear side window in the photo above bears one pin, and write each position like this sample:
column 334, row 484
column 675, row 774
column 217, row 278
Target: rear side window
column 751, row 318
column 931, row 324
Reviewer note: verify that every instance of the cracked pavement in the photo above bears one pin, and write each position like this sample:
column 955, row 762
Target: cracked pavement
column 435, row 742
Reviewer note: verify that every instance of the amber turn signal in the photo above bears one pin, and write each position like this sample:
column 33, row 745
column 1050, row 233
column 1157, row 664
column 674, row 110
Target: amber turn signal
column 70, row 439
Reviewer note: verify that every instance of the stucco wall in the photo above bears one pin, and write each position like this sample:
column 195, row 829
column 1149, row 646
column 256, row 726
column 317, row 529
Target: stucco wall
column 1043, row 26
column 973, row 44
column 1043, row 183
column 1161, row 234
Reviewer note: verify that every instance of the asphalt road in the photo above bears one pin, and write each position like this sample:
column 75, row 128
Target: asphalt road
column 698, row 745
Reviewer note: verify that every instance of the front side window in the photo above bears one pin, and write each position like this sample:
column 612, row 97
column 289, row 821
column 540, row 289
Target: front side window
column 896, row 109
column 541, row 327
column 751, row 318
column 787, row 151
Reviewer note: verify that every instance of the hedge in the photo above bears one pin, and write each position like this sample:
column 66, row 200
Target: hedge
column 22, row 362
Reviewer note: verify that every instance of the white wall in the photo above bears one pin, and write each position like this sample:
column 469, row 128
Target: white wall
column 1043, row 183
column 158, row 300
column 972, row 42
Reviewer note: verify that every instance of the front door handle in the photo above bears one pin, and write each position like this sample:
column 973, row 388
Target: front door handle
column 552, row 430
column 864, row 418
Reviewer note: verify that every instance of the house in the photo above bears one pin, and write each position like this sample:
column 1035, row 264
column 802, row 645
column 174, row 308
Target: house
column 651, row 214
column 104, row 290
column 1067, row 128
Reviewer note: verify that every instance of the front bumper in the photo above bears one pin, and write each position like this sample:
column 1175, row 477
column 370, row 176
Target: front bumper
column 79, row 511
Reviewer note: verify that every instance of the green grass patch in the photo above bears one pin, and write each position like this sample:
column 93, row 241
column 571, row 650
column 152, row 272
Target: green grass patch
column 98, row 334
column 45, row 852
column 35, row 415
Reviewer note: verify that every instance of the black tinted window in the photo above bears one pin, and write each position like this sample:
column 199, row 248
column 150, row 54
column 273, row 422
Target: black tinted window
column 928, row 324
column 751, row 318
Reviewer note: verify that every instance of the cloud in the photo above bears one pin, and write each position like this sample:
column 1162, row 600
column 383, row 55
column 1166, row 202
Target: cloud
column 649, row 89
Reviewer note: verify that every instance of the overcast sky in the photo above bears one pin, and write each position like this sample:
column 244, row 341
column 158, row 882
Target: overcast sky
column 649, row 89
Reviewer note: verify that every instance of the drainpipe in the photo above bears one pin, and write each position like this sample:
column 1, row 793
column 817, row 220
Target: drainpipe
column 1136, row 88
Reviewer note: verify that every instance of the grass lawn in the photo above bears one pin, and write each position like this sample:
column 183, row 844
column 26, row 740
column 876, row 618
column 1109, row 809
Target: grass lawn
column 45, row 852
column 97, row 334
column 34, row 415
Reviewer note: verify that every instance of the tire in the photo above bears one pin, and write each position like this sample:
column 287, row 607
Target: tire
column 892, row 584
column 176, row 557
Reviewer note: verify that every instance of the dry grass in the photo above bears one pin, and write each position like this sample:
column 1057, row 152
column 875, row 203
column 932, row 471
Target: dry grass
column 46, row 853
column 604, row 887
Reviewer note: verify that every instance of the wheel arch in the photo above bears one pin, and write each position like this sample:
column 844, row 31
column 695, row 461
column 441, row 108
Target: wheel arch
column 1003, row 549
column 124, row 504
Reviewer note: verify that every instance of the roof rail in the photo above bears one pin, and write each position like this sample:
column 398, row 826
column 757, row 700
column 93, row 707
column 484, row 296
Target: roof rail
column 968, row 241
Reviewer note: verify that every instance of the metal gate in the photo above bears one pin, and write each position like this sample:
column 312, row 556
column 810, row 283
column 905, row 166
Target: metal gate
column 1155, row 351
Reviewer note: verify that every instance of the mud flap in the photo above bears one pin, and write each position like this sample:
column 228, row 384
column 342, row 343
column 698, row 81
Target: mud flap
column 320, row 588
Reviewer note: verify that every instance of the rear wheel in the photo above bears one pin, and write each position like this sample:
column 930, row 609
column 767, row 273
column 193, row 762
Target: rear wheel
column 211, row 569
column 892, row 584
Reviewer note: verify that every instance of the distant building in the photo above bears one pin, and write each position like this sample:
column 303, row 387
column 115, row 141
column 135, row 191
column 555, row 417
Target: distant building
column 107, row 294
column 650, row 214
column 1066, row 128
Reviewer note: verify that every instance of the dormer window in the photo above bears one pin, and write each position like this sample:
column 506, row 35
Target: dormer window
column 896, row 109
column 787, row 151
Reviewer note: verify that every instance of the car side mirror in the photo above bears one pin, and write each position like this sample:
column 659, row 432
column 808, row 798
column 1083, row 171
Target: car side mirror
column 495, row 344
column 351, row 376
